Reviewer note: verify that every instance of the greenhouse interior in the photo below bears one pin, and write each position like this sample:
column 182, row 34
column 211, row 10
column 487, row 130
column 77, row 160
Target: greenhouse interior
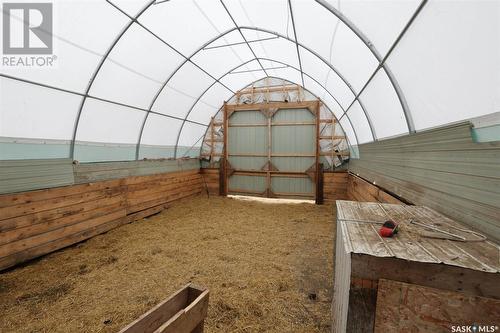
column 191, row 166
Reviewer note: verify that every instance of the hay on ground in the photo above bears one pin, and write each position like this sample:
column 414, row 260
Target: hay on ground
column 268, row 267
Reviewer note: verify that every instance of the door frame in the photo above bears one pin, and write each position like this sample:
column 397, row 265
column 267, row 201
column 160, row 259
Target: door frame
column 268, row 109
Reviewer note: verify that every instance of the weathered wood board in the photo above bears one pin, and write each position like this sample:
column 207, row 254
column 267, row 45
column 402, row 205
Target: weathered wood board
column 183, row 312
column 211, row 179
column 39, row 222
column 403, row 307
column 335, row 186
column 362, row 258
column 359, row 189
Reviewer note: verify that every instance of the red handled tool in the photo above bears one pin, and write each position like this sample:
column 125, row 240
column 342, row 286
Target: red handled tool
column 388, row 229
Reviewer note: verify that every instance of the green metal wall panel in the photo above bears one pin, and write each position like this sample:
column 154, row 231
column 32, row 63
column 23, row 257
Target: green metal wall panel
column 247, row 183
column 293, row 163
column 32, row 150
column 15, row 149
column 294, row 139
column 247, row 117
column 247, row 163
column 247, row 140
column 89, row 172
column 27, row 175
column 293, row 115
column 299, row 186
column 286, row 139
column 441, row 168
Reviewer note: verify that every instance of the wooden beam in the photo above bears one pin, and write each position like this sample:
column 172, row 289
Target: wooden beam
column 272, row 155
column 212, row 139
column 318, row 183
column 269, row 148
column 263, row 173
column 226, row 135
column 284, row 88
column 183, row 312
column 304, row 123
column 331, row 137
column 320, row 186
column 279, row 105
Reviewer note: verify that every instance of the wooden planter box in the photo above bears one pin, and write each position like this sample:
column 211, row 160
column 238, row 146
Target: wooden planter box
column 183, row 312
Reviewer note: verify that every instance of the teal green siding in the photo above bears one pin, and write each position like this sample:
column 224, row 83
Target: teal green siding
column 288, row 139
column 441, row 168
column 27, row 175
column 90, row 172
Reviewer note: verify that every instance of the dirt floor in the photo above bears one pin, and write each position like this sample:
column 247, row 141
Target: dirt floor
column 268, row 267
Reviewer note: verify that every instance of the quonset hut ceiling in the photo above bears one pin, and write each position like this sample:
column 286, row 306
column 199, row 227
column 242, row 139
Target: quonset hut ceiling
column 151, row 74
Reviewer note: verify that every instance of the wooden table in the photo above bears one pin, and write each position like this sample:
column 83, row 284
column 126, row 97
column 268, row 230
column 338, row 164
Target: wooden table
column 362, row 258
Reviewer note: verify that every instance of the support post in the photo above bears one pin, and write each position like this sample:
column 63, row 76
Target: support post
column 318, row 185
column 212, row 141
column 222, row 176
column 269, row 152
column 224, row 162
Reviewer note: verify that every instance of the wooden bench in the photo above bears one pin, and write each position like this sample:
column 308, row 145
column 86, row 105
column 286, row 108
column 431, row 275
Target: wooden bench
column 183, row 312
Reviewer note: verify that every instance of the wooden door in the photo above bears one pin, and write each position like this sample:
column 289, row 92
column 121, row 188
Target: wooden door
column 271, row 149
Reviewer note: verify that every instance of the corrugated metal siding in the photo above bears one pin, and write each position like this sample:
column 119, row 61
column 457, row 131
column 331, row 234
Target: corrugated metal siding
column 293, row 115
column 27, row 175
column 247, row 163
column 248, row 183
column 247, row 117
column 342, row 282
column 290, row 139
column 441, row 168
column 247, row 140
column 294, row 139
column 293, row 163
column 292, row 185
column 90, row 172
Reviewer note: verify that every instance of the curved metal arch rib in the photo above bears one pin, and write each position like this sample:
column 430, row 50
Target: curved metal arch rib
column 266, row 59
column 279, row 78
column 99, row 66
column 349, row 86
column 380, row 59
column 323, row 3
column 155, row 98
column 326, row 62
column 199, row 98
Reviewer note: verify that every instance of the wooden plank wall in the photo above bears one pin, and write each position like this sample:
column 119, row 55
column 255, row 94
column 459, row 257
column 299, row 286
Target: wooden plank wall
column 441, row 168
column 359, row 189
column 28, row 175
column 403, row 307
column 39, row 222
column 211, row 179
column 335, row 186
column 339, row 185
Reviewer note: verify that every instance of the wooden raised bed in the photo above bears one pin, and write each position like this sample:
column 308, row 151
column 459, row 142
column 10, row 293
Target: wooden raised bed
column 183, row 312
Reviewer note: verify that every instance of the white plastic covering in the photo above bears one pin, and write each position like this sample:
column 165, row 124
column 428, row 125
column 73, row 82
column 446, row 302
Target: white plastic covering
column 151, row 73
